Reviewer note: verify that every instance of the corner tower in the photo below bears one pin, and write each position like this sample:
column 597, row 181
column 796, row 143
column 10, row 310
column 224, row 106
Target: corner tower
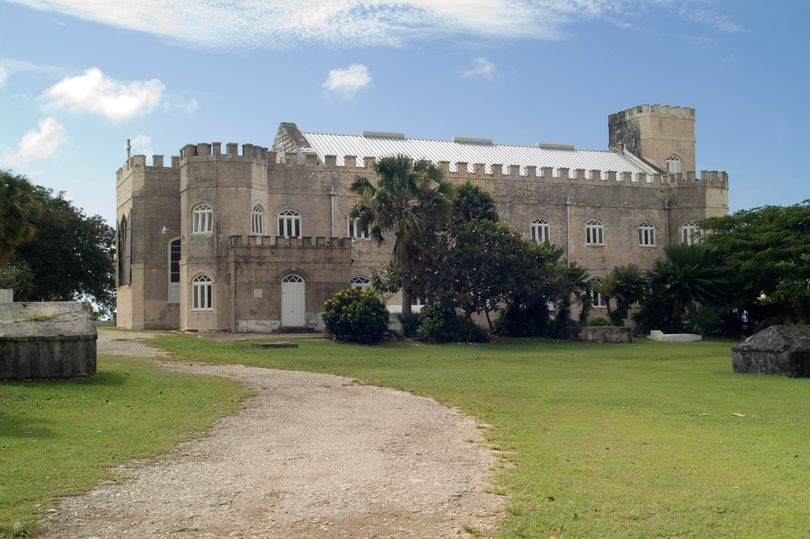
column 660, row 134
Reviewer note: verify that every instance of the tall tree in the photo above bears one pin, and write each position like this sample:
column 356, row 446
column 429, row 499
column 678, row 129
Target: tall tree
column 19, row 209
column 411, row 202
column 768, row 251
column 72, row 256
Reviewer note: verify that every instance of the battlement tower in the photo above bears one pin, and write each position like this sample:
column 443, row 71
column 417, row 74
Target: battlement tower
column 663, row 135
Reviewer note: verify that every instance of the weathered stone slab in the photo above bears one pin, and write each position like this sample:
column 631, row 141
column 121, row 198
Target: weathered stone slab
column 605, row 334
column 47, row 340
column 6, row 295
column 271, row 345
column 660, row 336
column 783, row 350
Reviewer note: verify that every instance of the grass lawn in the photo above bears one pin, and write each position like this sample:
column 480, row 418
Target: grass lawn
column 632, row 440
column 61, row 437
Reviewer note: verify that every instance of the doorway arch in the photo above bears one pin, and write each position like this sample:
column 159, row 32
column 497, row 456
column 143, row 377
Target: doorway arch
column 293, row 301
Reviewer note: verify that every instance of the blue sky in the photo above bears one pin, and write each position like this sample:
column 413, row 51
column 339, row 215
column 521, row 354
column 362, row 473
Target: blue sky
column 78, row 78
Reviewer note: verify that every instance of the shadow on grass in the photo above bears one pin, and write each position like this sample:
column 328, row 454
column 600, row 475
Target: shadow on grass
column 100, row 379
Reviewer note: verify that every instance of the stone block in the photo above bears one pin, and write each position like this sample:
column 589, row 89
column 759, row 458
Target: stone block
column 47, row 340
column 660, row 336
column 605, row 334
column 783, row 350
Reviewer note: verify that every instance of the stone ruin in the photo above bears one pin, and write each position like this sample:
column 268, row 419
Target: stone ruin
column 47, row 340
column 783, row 350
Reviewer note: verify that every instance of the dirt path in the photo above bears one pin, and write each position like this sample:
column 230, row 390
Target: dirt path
column 311, row 455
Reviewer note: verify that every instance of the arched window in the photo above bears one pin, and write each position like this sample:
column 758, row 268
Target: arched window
column 202, row 293
column 202, row 219
column 361, row 282
column 597, row 299
column 646, row 234
column 540, row 231
column 126, row 276
column 594, row 232
column 174, row 271
column 355, row 232
column 673, row 164
column 689, row 233
column 289, row 224
column 121, row 241
column 257, row 220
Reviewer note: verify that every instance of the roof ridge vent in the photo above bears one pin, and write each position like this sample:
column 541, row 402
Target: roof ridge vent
column 472, row 140
column 561, row 147
column 384, row 134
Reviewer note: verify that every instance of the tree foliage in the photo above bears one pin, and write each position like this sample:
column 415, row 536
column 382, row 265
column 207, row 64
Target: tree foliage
column 689, row 277
column 71, row 256
column 411, row 202
column 471, row 203
column 767, row 250
column 19, row 209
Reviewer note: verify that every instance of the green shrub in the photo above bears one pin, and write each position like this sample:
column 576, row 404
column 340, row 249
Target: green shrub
column 410, row 323
column 599, row 322
column 355, row 315
column 441, row 326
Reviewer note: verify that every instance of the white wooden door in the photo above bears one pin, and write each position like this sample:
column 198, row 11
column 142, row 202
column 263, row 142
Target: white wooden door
column 293, row 301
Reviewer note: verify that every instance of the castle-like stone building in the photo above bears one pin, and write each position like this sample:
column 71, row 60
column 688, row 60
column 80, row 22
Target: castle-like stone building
column 257, row 240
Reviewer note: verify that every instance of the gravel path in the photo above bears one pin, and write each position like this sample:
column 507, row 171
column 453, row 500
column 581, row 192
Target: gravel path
column 311, row 455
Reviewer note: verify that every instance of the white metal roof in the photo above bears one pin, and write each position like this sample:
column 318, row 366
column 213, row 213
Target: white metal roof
column 489, row 154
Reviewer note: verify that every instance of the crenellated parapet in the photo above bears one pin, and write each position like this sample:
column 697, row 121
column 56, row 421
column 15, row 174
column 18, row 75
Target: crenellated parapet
column 658, row 110
column 305, row 242
column 138, row 163
column 214, row 150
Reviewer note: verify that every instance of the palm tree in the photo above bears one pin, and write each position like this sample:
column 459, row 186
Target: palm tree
column 688, row 277
column 628, row 289
column 411, row 201
column 472, row 203
column 19, row 207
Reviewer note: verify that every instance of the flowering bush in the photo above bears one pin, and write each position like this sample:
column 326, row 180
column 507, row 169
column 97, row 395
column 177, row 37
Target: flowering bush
column 355, row 315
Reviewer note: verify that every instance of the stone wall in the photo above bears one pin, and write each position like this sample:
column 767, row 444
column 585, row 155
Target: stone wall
column 604, row 334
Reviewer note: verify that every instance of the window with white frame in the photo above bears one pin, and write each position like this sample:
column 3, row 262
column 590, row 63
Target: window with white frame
column 540, row 231
column 257, row 220
column 646, row 234
column 202, row 293
column 689, row 233
column 361, row 282
column 597, row 299
column 289, row 224
column 673, row 164
column 355, row 232
column 594, row 232
column 202, row 219
column 174, row 271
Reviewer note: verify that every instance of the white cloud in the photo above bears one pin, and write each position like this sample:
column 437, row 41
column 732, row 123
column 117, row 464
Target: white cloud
column 481, row 67
column 281, row 23
column 711, row 18
column 3, row 77
column 37, row 144
column 95, row 92
column 141, row 144
column 347, row 82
